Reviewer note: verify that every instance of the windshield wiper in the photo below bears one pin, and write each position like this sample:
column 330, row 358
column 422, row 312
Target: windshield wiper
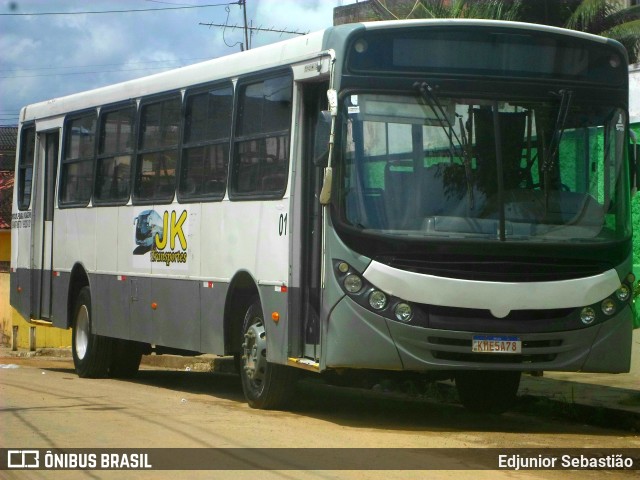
column 550, row 152
column 427, row 92
column 558, row 130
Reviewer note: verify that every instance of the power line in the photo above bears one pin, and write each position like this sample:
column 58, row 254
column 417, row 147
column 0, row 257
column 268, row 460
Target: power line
column 257, row 29
column 39, row 14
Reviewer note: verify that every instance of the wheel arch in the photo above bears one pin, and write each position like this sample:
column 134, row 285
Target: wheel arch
column 242, row 289
column 79, row 279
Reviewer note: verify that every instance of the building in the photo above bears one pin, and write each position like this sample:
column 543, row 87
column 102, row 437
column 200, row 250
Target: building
column 8, row 136
column 375, row 10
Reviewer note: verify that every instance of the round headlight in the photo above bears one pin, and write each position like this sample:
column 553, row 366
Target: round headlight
column 608, row 307
column 343, row 267
column 352, row 283
column 623, row 293
column 377, row 300
column 403, row 312
column 588, row 315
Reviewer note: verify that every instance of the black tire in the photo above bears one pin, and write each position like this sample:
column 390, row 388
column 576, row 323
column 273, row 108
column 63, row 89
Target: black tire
column 91, row 353
column 125, row 358
column 266, row 385
column 487, row 391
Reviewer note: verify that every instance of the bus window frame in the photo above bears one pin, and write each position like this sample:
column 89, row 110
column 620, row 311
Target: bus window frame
column 241, row 84
column 64, row 161
column 184, row 145
column 22, row 167
column 136, row 199
column 105, row 110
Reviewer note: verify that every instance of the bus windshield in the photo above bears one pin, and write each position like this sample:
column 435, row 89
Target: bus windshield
column 544, row 170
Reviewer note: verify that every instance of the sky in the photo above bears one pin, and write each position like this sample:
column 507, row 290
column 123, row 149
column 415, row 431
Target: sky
column 47, row 56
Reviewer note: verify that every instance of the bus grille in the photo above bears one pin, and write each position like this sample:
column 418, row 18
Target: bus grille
column 494, row 269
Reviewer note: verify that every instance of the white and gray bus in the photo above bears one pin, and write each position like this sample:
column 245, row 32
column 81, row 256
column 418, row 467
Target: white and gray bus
column 445, row 197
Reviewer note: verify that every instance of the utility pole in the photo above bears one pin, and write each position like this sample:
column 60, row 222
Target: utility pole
column 246, row 27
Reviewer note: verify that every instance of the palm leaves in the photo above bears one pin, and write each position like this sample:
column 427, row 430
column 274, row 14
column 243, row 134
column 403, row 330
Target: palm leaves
column 609, row 18
column 489, row 9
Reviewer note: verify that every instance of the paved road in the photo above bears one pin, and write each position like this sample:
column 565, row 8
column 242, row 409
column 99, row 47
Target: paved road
column 43, row 404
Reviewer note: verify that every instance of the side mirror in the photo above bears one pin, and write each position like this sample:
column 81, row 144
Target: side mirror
column 321, row 139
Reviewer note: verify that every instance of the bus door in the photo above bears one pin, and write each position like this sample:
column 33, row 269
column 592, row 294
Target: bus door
column 308, row 241
column 41, row 262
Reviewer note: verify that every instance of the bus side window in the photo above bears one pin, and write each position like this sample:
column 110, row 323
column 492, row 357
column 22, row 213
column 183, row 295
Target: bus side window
column 77, row 165
column 205, row 151
column 25, row 166
column 158, row 150
column 261, row 147
column 113, row 166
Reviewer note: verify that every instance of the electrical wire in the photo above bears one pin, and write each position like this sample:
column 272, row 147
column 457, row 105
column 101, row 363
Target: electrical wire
column 39, row 14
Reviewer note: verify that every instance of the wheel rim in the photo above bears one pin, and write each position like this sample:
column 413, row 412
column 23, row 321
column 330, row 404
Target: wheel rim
column 82, row 332
column 255, row 353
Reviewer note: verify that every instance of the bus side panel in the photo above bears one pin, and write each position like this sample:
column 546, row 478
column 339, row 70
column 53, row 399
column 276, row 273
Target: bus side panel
column 20, row 278
column 275, row 310
column 110, row 298
column 140, row 327
column 76, row 230
column 255, row 234
column 60, row 294
column 107, row 239
column 20, row 296
column 136, row 267
column 110, row 292
column 212, row 301
column 211, row 256
column 177, row 313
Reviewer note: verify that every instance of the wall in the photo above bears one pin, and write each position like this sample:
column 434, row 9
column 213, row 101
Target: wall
column 5, row 245
column 46, row 337
column 5, row 309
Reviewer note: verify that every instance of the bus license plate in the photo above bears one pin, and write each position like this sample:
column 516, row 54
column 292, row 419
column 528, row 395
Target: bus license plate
column 493, row 344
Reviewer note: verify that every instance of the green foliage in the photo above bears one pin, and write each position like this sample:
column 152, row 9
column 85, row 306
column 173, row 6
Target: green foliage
column 490, row 9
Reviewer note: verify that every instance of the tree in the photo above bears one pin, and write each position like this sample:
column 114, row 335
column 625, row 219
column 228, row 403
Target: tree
column 609, row 18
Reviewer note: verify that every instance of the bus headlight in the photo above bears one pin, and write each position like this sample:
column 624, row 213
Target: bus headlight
column 377, row 300
column 623, row 293
column 403, row 312
column 343, row 267
column 352, row 283
column 588, row 315
column 608, row 306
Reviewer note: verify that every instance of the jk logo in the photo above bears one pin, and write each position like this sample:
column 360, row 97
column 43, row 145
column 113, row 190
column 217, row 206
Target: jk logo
column 171, row 231
column 23, row 459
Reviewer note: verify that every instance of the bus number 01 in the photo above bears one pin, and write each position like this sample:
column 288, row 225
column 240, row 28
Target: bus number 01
column 282, row 224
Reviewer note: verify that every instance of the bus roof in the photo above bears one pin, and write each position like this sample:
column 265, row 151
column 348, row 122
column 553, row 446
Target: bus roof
column 269, row 56
column 261, row 58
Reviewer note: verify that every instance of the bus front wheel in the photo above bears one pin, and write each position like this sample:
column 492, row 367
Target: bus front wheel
column 266, row 385
column 487, row 391
column 91, row 353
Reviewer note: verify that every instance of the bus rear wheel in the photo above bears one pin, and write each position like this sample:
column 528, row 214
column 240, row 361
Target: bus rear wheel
column 125, row 358
column 266, row 385
column 91, row 353
column 487, row 391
